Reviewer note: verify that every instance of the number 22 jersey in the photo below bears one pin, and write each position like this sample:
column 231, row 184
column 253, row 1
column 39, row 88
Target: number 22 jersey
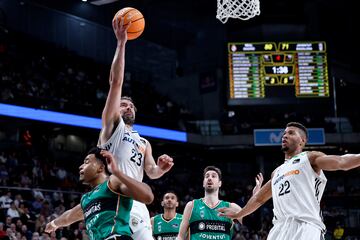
column 297, row 190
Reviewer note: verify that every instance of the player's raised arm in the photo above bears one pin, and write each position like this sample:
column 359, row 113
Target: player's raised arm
column 184, row 226
column 69, row 217
column 256, row 201
column 321, row 161
column 153, row 170
column 111, row 110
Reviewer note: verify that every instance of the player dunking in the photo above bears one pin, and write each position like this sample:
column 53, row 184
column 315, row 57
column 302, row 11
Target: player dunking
column 132, row 152
column 296, row 187
column 200, row 219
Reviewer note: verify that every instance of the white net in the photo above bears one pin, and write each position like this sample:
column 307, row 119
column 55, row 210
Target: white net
column 242, row 9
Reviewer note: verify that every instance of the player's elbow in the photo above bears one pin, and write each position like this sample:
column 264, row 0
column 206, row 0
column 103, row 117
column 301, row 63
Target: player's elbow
column 148, row 198
column 116, row 82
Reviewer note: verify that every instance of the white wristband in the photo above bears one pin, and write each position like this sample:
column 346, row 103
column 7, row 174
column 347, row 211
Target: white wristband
column 52, row 223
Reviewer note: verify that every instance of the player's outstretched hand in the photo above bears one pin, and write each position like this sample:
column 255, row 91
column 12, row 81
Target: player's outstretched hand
column 229, row 212
column 120, row 30
column 50, row 227
column 258, row 180
column 165, row 162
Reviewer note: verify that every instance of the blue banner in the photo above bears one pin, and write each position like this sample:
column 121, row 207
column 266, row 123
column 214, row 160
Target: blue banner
column 83, row 121
column 272, row 137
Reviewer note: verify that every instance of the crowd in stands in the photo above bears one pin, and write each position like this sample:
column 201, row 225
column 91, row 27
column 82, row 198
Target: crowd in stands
column 49, row 77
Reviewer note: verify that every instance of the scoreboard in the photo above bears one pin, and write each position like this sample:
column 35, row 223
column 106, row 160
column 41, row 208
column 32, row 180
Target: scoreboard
column 277, row 73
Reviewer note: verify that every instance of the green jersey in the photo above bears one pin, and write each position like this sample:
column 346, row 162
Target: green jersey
column 166, row 230
column 106, row 212
column 206, row 224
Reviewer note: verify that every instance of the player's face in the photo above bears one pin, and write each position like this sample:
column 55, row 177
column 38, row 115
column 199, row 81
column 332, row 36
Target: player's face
column 89, row 169
column 127, row 111
column 291, row 139
column 170, row 201
column 211, row 181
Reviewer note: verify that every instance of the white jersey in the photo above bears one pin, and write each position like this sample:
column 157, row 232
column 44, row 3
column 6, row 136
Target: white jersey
column 297, row 190
column 129, row 150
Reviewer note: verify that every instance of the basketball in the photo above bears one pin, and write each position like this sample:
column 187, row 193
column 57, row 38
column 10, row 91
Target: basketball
column 135, row 17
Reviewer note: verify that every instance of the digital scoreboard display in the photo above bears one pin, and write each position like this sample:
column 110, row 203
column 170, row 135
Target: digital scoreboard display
column 277, row 73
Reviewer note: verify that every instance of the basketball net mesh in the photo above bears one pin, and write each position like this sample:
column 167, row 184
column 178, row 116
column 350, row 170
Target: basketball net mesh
column 242, row 9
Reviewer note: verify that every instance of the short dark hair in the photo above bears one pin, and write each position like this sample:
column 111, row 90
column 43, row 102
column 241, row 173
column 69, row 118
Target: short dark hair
column 129, row 99
column 96, row 151
column 213, row 168
column 299, row 126
column 170, row 191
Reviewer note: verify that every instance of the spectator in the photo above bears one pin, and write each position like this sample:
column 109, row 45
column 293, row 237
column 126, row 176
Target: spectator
column 338, row 231
column 12, row 211
column 2, row 232
column 6, row 200
column 25, row 232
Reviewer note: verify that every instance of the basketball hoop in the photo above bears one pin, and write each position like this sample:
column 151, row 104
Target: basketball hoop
column 242, row 9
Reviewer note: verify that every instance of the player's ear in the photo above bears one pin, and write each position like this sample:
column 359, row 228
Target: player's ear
column 101, row 168
column 220, row 183
column 177, row 204
column 303, row 141
column 162, row 203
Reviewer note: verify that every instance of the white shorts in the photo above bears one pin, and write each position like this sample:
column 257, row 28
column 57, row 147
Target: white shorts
column 140, row 222
column 292, row 229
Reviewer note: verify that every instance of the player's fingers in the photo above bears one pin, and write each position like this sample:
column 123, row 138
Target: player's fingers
column 261, row 177
column 127, row 26
column 121, row 23
column 106, row 155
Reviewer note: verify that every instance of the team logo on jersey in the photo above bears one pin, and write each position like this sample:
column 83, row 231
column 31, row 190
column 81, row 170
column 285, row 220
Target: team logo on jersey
column 296, row 161
column 202, row 214
column 134, row 222
column 292, row 172
column 175, row 225
column 201, row 226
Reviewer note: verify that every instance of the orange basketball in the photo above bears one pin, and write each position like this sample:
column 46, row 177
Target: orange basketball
column 137, row 21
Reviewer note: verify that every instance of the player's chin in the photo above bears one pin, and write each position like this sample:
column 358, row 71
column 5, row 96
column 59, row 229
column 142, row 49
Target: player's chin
column 129, row 120
column 284, row 148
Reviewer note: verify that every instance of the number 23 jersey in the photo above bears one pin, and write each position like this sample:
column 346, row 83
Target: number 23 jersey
column 129, row 150
column 297, row 190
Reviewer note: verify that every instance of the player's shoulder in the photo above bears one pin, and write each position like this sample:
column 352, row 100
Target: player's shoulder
column 144, row 141
column 190, row 204
column 312, row 155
